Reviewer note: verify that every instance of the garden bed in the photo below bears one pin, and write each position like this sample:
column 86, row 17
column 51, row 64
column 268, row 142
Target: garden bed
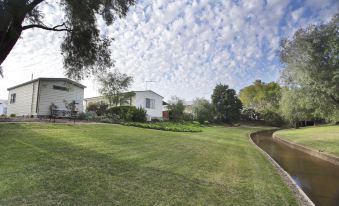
column 167, row 126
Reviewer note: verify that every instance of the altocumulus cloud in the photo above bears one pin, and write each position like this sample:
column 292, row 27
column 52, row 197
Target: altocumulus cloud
column 186, row 46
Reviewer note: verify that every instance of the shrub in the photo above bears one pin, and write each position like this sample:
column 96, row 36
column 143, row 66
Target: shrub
column 273, row 118
column 166, row 126
column 12, row 115
column 249, row 114
column 121, row 111
column 99, row 108
column 138, row 115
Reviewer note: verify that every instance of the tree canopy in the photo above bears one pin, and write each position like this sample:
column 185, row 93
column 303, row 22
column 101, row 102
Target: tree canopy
column 261, row 96
column 176, row 108
column 85, row 51
column 312, row 72
column 113, row 85
column 311, row 60
column 203, row 110
column 227, row 104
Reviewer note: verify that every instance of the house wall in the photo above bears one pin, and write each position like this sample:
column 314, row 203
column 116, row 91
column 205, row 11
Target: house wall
column 140, row 101
column 23, row 102
column 49, row 95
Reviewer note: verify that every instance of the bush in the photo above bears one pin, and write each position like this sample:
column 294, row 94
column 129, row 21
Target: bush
column 122, row 111
column 89, row 116
column 127, row 113
column 166, row 126
column 12, row 115
column 138, row 115
column 99, row 108
column 273, row 118
column 249, row 114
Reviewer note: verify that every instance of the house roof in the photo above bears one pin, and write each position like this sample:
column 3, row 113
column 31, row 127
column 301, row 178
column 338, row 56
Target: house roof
column 130, row 91
column 48, row 79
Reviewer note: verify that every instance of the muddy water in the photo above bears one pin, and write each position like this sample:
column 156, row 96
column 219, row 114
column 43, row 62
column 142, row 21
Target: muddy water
column 317, row 178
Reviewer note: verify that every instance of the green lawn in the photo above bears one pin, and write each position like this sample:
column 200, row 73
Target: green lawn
column 102, row 164
column 324, row 138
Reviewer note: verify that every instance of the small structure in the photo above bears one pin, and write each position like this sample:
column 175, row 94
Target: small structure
column 3, row 107
column 148, row 99
column 36, row 97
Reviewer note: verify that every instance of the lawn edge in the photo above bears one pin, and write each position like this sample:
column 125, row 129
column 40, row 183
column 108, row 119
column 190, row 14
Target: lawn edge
column 297, row 192
column 316, row 153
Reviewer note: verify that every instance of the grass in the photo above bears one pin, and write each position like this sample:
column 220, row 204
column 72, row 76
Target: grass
column 323, row 138
column 105, row 164
column 167, row 126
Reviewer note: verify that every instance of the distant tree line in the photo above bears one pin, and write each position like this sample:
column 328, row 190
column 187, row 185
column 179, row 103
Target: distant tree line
column 309, row 89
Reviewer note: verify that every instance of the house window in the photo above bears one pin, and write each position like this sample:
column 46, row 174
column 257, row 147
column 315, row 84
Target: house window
column 150, row 103
column 60, row 88
column 13, row 97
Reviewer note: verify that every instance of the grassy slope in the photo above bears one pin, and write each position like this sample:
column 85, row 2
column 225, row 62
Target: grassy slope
column 324, row 138
column 45, row 164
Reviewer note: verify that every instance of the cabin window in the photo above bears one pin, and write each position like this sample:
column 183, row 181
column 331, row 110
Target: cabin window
column 150, row 103
column 56, row 87
column 13, row 97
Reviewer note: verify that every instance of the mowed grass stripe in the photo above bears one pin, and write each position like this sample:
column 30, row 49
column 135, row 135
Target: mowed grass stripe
column 102, row 164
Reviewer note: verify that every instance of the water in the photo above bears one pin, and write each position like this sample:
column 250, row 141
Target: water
column 317, row 178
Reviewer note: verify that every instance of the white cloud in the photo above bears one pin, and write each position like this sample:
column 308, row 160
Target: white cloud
column 186, row 46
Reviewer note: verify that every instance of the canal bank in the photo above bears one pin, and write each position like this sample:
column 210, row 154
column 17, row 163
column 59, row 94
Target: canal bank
column 309, row 177
column 316, row 153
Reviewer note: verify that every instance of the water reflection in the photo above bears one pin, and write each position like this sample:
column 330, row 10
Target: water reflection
column 317, row 178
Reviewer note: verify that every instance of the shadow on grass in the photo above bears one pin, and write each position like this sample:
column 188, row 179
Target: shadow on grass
column 43, row 170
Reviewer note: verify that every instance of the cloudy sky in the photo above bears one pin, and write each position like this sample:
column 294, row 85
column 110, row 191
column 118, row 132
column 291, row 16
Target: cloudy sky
column 185, row 46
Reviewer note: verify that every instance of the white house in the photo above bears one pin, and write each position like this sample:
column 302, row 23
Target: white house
column 3, row 107
column 34, row 98
column 148, row 99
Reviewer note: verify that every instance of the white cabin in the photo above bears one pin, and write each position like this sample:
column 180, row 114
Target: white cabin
column 34, row 98
column 148, row 100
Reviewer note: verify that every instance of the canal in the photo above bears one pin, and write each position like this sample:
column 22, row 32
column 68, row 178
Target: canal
column 319, row 179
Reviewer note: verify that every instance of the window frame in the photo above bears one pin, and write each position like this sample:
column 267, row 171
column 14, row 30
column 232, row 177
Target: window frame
column 13, row 98
column 60, row 88
column 151, row 103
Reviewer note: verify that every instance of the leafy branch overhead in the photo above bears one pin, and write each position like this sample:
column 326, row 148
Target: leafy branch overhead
column 84, row 50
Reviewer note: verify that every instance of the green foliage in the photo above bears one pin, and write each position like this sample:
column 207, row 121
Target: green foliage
column 89, row 116
column 272, row 118
column 138, row 114
column 203, row 110
column 249, row 114
column 311, row 65
column 99, row 108
column 85, row 49
column 176, row 109
column 166, row 126
column 296, row 106
column 12, row 115
column 127, row 113
column 261, row 96
column 113, row 85
column 226, row 103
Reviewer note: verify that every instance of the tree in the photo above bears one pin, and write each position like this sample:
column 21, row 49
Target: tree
column 176, row 108
column 261, row 96
column 311, row 60
column 295, row 107
column 227, row 105
column 85, row 51
column 203, row 110
column 113, row 84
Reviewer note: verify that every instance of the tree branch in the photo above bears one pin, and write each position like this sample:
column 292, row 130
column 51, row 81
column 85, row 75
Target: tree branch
column 55, row 28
